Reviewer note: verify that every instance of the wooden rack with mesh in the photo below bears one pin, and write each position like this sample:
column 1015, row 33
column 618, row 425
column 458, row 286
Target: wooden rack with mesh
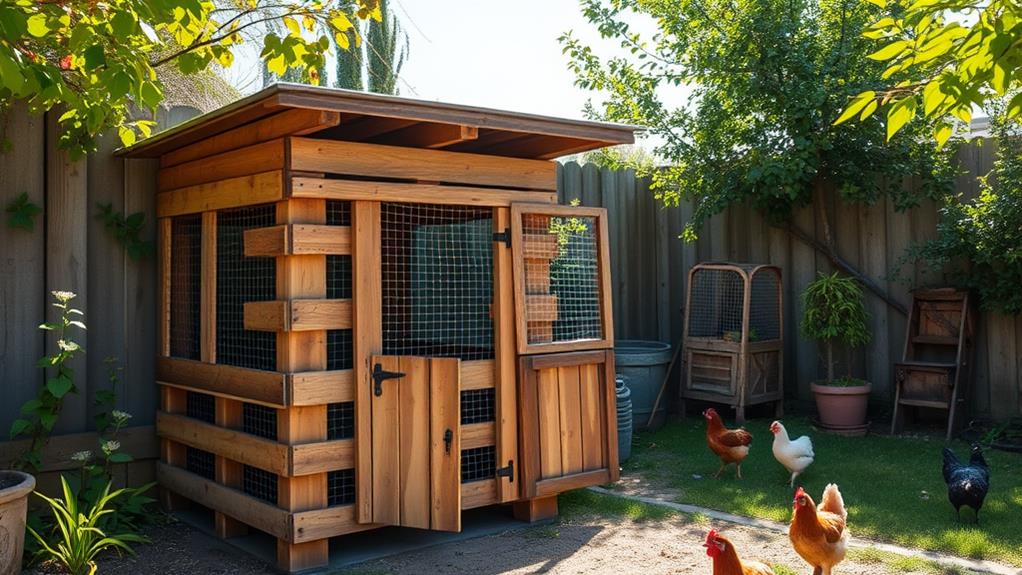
column 364, row 301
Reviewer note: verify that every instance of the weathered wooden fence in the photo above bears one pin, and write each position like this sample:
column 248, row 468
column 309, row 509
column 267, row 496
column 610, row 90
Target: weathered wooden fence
column 650, row 265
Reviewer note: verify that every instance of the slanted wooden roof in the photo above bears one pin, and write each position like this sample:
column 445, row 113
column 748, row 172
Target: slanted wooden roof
column 392, row 120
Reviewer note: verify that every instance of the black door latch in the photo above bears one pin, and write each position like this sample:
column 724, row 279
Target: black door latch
column 508, row 471
column 379, row 375
column 448, row 438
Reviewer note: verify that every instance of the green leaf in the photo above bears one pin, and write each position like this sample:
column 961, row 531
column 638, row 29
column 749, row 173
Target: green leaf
column 10, row 72
column 941, row 133
column 880, row 3
column 59, row 386
column 899, row 115
column 37, row 25
column 19, row 426
column 1015, row 106
column 121, row 457
column 889, row 51
column 95, row 56
column 127, row 135
column 855, row 106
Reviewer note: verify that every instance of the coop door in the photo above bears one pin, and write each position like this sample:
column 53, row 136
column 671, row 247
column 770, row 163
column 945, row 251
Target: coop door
column 416, row 442
column 568, row 421
column 562, row 278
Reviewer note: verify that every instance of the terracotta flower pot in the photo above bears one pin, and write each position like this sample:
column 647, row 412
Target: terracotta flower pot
column 15, row 488
column 842, row 407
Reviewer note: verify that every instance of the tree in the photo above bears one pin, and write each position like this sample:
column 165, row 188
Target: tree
column 376, row 63
column 948, row 55
column 95, row 60
column 766, row 79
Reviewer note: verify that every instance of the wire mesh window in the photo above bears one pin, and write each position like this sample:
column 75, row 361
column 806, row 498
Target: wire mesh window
column 260, row 484
column 338, row 213
column 765, row 306
column 339, row 349
column 201, row 462
column 185, row 285
column 340, row 420
column 340, row 487
column 201, row 406
column 478, row 463
column 562, row 278
column 259, row 420
column 478, row 406
column 243, row 279
column 437, row 266
column 716, row 304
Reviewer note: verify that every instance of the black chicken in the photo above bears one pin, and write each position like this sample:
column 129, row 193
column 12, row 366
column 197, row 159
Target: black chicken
column 966, row 484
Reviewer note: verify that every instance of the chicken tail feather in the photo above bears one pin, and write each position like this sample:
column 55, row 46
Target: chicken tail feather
column 833, row 502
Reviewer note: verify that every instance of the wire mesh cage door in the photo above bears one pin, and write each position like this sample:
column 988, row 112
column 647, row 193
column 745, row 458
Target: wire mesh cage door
column 562, row 278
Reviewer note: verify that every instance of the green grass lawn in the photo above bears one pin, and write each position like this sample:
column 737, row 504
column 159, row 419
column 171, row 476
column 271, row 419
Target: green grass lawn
column 892, row 486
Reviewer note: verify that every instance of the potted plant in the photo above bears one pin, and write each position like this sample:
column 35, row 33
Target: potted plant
column 833, row 313
column 15, row 487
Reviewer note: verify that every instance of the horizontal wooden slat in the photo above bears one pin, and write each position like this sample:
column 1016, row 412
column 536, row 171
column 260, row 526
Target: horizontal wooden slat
column 241, row 162
column 478, row 493
column 477, row 374
column 234, row 445
column 298, row 239
column 569, row 482
column 320, row 387
column 248, row 510
column 297, row 121
column 141, row 442
column 323, row 456
column 325, row 523
column 298, row 315
column 567, row 359
column 258, row 188
column 302, row 187
column 253, row 385
column 476, row 435
column 357, row 159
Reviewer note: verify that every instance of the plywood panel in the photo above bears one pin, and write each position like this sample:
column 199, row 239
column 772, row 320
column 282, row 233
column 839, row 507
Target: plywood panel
column 386, row 455
column 592, row 413
column 445, row 476
column 549, row 423
column 414, row 440
column 570, row 419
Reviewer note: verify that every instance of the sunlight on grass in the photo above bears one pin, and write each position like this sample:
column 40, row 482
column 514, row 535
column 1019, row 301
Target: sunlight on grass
column 892, row 486
column 782, row 570
column 902, row 564
column 582, row 503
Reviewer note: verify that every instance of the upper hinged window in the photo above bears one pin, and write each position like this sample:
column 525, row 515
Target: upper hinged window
column 562, row 278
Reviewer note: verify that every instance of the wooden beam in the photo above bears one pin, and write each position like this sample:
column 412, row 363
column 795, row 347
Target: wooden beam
column 298, row 239
column 504, row 369
column 476, row 435
column 232, row 444
column 249, row 510
column 322, row 456
column 540, row 147
column 367, row 128
column 241, row 162
column 298, row 315
column 258, row 188
column 320, row 387
column 426, row 135
column 290, row 122
column 414, row 193
column 252, row 385
column 228, row 472
column 207, row 301
column 163, row 250
column 325, row 523
column 479, row 494
column 429, row 165
column 477, row 374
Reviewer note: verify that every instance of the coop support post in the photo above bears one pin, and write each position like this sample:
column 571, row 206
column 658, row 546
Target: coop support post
column 504, row 358
column 301, row 277
column 537, row 509
column 172, row 400
column 228, row 472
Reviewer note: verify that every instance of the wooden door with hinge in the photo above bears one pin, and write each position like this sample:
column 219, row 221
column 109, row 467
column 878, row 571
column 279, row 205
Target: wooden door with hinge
column 568, row 421
column 416, row 442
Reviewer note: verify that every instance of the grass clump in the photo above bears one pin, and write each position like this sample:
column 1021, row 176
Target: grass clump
column 585, row 503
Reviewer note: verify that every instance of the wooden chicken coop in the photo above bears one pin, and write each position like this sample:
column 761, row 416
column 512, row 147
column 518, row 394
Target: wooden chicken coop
column 734, row 336
column 373, row 312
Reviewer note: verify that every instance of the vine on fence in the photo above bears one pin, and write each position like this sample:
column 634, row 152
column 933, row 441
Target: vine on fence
column 22, row 213
column 127, row 230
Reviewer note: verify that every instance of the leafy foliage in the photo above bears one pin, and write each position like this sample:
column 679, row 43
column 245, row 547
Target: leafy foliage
column 128, row 230
column 948, row 55
column 980, row 240
column 22, row 213
column 833, row 312
column 375, row 64
column 94, row 60
column 77, row 537
column 39, row 415
column 742, row 95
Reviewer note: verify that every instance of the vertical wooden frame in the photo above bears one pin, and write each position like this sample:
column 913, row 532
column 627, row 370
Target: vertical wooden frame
column 603, row 277
column 228, row 472
column 164, row 237
column 367, row 310
column 207, row 306
column 504, row 358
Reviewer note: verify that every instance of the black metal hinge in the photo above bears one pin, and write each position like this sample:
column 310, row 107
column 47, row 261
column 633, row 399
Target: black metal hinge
column 508, row 471
column 379, row 375
column 504, row 236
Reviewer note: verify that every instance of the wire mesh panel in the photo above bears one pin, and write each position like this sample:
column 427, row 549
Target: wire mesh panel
column 562, row 278
column 340, row 487
column 259, row 420
column 340, row 420
column 339, row 349
column 437, row 264
column 201, row 462
column 243, row 279
column 201, row 406
column 338, row 213
column 185, row 285
column 478, row 463
column 260, row 484
column 478, row 406
column 765, row 306
column 716, row 304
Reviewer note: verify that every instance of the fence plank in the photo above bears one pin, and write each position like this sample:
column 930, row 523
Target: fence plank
column 803, row 271
column 872, row 229
column 1003, row 365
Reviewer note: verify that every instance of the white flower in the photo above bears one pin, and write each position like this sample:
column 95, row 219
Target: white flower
column 110, row 446
column 63, row 296
column 81, row 456
column 120, row 416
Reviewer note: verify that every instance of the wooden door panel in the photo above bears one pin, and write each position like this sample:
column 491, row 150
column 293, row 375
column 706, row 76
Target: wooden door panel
column 445, row 472
column 594, row 432
column 386, row 447
column 414, row 440
column 549, row 423
column 571, row 418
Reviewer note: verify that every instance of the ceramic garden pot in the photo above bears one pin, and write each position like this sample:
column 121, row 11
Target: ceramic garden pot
column 15, row 487
column 842, row 408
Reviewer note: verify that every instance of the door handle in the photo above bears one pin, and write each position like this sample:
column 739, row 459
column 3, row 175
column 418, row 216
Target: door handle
column 379, row 375
column 448, row 438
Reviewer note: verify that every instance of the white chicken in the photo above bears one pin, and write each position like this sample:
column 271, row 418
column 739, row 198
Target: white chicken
column 796, row 456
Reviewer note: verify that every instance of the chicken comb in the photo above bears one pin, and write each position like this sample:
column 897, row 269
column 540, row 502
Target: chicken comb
column 800, row 492
column 711, row 537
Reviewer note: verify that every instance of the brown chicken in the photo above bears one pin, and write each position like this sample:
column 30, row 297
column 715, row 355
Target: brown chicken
column 730, row 445
column 818, row 534
column 726, row 561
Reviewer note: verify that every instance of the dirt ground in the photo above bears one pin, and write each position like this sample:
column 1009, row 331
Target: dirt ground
column 581, row 546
